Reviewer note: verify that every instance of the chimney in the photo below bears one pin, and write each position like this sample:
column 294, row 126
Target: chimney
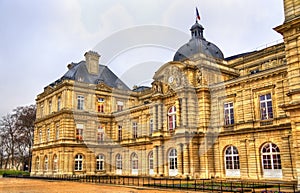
column 92, row 62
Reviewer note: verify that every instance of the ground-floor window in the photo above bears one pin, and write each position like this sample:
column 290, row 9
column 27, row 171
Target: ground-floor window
column 78, row 162
column 232, row 162
column 46, row 163
column 37, row 164
column 134, row 163
column 271, row 162
column 172, row 157
column 118, row 164
column 55, row 163
column 100, row 162
column 150, row 157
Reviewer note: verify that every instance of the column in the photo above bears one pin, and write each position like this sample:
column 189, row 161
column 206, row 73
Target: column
column 155, row 160
column 186, row 160
column 183, row 112
column 159, row 116
column 161, row 160
column 179, row 159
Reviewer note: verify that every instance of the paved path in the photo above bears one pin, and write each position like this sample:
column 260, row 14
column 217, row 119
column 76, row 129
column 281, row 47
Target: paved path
column 13, row 185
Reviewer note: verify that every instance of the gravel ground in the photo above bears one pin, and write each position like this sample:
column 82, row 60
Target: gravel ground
column 13, row 185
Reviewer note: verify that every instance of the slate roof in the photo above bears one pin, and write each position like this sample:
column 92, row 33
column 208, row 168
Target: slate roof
column 79, row 72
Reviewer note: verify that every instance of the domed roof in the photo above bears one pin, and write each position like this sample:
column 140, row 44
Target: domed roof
column 197, row 45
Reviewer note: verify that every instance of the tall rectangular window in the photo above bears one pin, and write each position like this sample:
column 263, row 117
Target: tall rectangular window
column 119, row 133
column 151, row 126
column 266, row 109
column 79, row 131
column 100, row 134
column 134, row 130
column 100, row 105
column 80, row 102
column 42, row 110
column 57, row 132
column 48, row 134
column 228, row 113
column 120, row 106
column 40, row 136
column 58, row 103
column 50, row 107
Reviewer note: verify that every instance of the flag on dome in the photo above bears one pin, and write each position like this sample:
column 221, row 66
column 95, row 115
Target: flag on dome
column 197, row 14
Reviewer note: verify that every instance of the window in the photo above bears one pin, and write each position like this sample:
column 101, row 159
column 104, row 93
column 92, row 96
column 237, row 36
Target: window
column 78, row 162
column 100, row 162
column 42, row 110
column 134, row 130
column 118, row 164
column 266, row 109
column 172, row 157
column 50, row 106
column 79, row 131
column 58, row 103
column 100, row 134
column 57, row 132
column 55, row 163
column 100, row 105
column 232, row 162
column 134, row 163
column 120, row 106
column 80, row 102
column 37, row 164
column 119, row 133
column 172, row 118
column 271, row 161
column 151, row 126
column 228, row 113
column 48, row 134
column 40, row 136
column 46, row 163
column 151, row 167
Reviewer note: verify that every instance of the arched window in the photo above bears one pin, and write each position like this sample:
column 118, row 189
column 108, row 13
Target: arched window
column 172, row 118
column 271, row 162
column 55, row 163
column 172, row 157
column 232, row 162
column 46, row 163
column 119, row 164
column 150, row 157
column 100, row 162
column 78, row 162
column 37, row 164
column 134, row 164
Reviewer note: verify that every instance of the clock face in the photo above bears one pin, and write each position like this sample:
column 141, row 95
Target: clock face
column 171, row 79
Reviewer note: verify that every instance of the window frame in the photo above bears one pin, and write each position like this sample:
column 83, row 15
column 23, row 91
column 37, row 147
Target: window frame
column 232, row 161
column 266, row 106
column 100, row 162
column 134, row 130
column 173, row 162
column 172, row 118
column 228, row 113
column 80, row 102
column 78, row 161
column 268, row 162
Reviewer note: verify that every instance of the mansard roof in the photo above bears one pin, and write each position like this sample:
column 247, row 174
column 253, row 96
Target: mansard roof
column 79, row 72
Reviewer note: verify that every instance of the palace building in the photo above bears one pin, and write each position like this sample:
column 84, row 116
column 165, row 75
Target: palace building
column 204, row 115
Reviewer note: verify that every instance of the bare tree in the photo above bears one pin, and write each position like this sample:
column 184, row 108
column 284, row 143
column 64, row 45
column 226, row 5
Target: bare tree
column 9, row 136
column 16, row 134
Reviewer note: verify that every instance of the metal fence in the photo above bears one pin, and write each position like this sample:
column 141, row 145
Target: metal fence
column 211, row 185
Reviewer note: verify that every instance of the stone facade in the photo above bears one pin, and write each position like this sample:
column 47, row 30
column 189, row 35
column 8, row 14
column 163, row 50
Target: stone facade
column 202, row 117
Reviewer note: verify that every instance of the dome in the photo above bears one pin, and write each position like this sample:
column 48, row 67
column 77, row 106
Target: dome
column 197, row 45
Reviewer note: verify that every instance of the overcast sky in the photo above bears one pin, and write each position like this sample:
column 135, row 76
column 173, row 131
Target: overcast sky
column 38, row 38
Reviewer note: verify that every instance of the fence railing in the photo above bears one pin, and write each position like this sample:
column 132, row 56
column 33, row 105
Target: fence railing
column 211, row 185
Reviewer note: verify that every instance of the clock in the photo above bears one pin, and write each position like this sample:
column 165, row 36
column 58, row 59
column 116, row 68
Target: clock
column 171, row 79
